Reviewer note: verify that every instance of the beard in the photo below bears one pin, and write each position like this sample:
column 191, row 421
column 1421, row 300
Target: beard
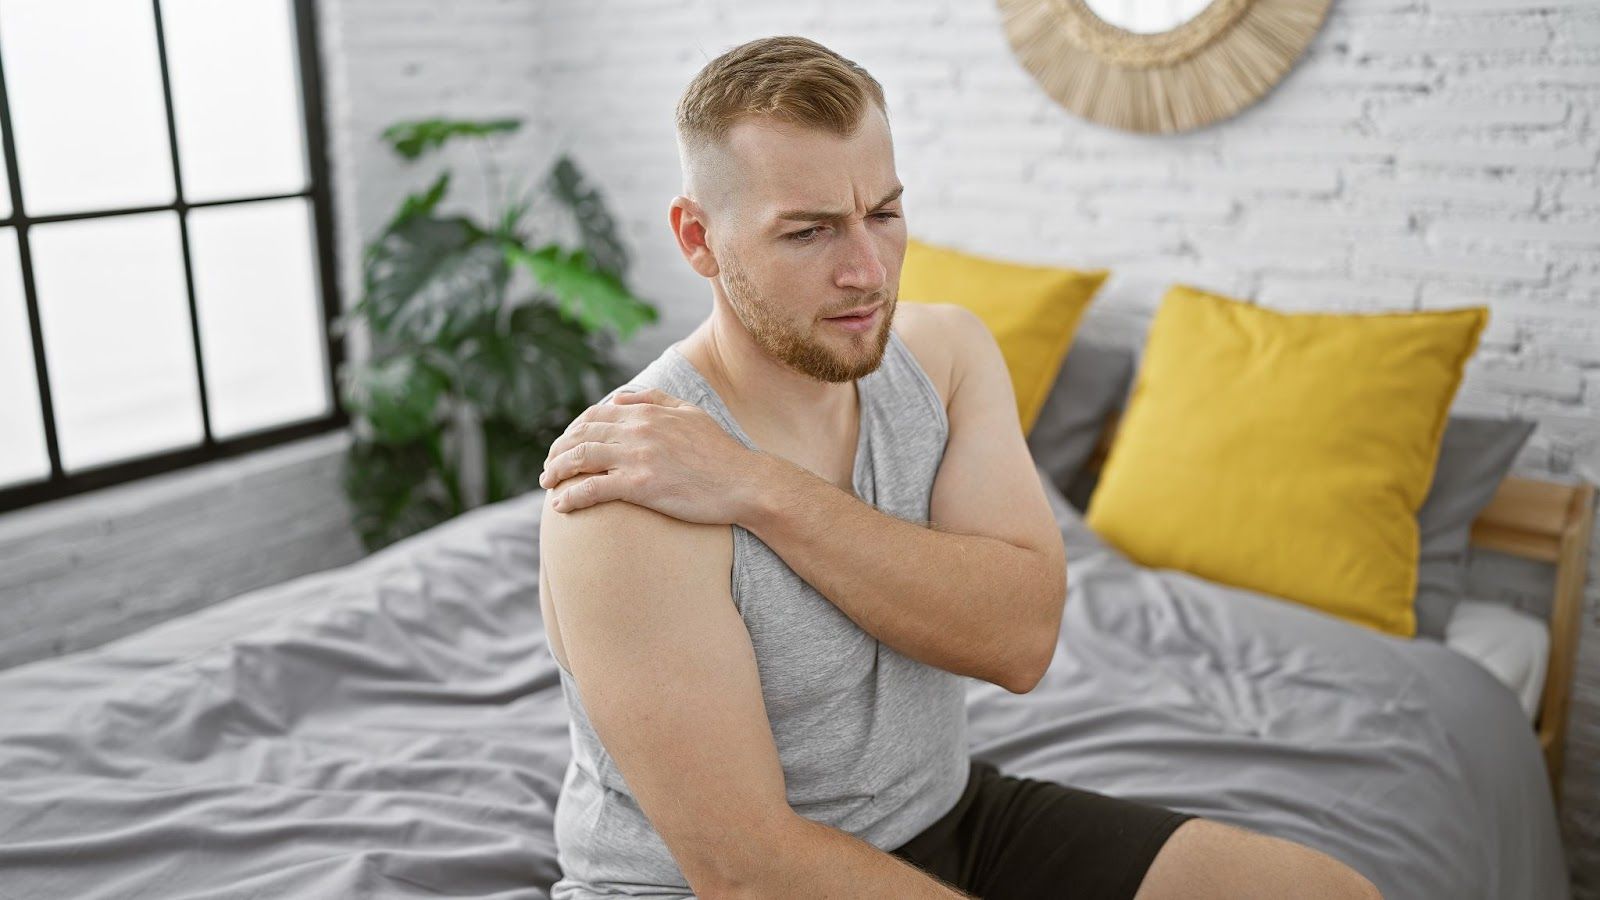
column 798, row 346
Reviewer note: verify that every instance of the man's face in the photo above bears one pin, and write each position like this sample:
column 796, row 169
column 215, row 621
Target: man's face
column 821, row 231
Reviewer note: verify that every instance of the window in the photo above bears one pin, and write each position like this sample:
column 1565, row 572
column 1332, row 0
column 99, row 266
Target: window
column 166, row 266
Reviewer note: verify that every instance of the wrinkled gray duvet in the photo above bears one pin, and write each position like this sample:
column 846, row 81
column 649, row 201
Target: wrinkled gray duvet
column 395, row 728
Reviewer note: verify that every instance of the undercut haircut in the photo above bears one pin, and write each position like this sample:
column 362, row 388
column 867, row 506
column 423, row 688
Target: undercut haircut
column 787, row 78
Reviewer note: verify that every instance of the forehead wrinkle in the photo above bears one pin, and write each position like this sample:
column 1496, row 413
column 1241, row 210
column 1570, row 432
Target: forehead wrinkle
column 828, row 215
column 775, row 158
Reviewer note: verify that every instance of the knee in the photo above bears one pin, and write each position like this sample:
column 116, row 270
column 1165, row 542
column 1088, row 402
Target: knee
column 1334, row 880
column 1360, row 887
column 1206, row 858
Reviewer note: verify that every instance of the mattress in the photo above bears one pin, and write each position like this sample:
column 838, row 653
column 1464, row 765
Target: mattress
column 1511, row 644
column 396, row 728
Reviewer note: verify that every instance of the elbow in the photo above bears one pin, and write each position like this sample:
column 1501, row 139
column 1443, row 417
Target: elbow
column 1029, row 678
column 715, row 879
column 739, row 866
column 1042, row 641
column 719, row 877
column 1033, row 665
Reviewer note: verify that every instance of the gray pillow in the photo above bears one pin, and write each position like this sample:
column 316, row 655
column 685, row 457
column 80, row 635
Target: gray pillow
column 1094, row 380
column 1474, row 458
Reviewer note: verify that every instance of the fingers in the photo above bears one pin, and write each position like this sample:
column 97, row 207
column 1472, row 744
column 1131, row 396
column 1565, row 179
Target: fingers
column 586, row 426
column 587, row 456
column 601, row 412
column 579, row 432
column 648, row 395
column 592, row 441
column 588, row 492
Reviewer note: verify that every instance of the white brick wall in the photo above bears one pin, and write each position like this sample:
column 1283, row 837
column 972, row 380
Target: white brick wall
column 390, row 60
column 1421, row 155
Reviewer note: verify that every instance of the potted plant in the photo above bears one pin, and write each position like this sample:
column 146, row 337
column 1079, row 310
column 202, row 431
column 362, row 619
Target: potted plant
column 486, row 340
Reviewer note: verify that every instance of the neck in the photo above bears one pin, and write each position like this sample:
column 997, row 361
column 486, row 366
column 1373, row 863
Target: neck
column 768, row 394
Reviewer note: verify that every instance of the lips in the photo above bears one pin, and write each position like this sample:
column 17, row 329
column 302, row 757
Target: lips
column 858, row 312
column 857, row 323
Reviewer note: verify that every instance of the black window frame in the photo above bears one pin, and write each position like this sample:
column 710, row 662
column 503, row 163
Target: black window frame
column 61, row 484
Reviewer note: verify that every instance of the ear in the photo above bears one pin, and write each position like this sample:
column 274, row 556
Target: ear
column 689, row 224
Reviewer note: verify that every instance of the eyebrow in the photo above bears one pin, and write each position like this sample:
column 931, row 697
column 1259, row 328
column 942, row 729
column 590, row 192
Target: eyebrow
column 828, row 215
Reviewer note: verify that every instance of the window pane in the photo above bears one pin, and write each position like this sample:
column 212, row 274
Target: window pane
column 85, row 90
column 115, row 317
column 260, row 316
column 23, row 456
column 236, row 97
column 5, row 188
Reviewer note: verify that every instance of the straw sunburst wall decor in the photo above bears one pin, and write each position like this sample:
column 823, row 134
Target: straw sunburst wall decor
column 1203, row 70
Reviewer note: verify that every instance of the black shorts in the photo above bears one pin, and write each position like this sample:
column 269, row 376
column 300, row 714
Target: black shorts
column 1010, row 837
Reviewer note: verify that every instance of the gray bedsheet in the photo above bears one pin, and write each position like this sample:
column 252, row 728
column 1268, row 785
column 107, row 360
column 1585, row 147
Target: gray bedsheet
column 395, row 728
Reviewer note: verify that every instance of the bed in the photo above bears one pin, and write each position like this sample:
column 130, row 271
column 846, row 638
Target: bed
column 395, row 728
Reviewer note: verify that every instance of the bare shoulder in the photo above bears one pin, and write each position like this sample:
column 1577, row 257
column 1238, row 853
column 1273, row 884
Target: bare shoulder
column 638, row 530
column 652, row 545
column 938, row 335
column 613, row 557
column 642, row 617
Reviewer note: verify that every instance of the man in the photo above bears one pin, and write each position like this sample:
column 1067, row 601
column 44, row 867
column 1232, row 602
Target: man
column 830, row 516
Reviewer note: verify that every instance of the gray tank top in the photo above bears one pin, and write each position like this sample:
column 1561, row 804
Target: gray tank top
column 871, row 741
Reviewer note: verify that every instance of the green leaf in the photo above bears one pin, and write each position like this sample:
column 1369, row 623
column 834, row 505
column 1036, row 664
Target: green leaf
column 394, row 491
column 596, row 228
column 507, row 228
column 398, row 397
column 412, row 139
column 514, row 457
column 504, row 377
column 533, row 373
column 422, row 204
column 595, row 298
column 442, row 335
column 428, row 279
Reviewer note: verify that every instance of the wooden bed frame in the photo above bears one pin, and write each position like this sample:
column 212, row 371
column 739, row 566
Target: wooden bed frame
column 1533, row 519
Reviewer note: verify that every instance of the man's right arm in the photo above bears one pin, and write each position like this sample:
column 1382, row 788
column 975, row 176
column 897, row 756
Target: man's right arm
column 665, row 668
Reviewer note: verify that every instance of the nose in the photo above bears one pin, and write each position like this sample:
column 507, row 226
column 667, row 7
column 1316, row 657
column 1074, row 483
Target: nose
column 862, row 269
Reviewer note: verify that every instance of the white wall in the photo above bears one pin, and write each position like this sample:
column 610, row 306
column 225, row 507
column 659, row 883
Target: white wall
column 391, row 60
column 1421, row 155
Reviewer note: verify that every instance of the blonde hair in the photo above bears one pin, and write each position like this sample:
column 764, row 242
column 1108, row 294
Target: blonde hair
column 788, row 78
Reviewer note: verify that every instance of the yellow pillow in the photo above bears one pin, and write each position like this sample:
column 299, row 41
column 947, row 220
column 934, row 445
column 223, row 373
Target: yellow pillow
column 1033, row 311
column 1286, row 453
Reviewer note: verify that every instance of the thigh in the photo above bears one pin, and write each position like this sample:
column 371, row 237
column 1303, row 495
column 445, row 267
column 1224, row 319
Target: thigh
column 1213, row 860
column 1013, row 837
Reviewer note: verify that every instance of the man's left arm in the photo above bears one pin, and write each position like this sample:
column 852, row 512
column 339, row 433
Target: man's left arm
column 977, row 590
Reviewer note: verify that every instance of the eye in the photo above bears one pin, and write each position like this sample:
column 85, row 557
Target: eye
column 805, row 237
